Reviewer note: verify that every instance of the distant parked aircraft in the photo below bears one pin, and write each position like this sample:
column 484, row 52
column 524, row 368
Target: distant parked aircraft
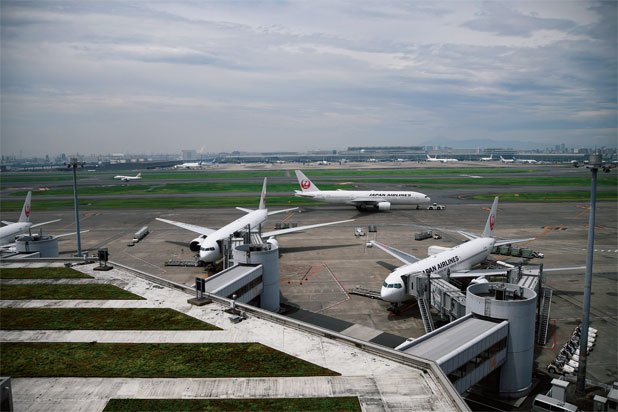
column 127, row 178
column 379, row 200
column 209, row 243
column 488, row 159
column 503, row 160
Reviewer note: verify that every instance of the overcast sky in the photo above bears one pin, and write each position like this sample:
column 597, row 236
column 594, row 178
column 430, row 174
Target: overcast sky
column 158, row 77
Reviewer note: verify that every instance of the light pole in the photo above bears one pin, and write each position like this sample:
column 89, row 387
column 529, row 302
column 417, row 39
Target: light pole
column 594, row 163
column 74, row 164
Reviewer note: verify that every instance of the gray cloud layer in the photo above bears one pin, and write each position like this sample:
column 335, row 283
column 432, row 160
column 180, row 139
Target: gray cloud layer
column 163, row 76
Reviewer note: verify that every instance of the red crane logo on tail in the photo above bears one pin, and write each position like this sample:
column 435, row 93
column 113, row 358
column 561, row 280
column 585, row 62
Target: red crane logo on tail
column 27, row 210
column 305, row 184
column 492, row 220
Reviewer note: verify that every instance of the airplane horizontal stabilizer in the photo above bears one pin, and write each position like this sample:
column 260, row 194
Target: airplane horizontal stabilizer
column 300, row 228
column 6, row 222
column 193, row 228
column 402, row 256
column 509, row 241
column 274, row 212
column 244, row 209
column 45, row 223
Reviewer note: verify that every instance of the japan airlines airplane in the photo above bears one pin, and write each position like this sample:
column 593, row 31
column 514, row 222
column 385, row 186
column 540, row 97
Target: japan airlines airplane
column 525, row 161
column 209, row 243
column 127, row 178
column 503, row 160
column 381, row 201
column 487, row 159
column 435, row 159
column 23, row 225
column 444, row 262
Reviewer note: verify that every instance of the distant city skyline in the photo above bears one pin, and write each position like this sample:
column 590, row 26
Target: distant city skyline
column 159, row 77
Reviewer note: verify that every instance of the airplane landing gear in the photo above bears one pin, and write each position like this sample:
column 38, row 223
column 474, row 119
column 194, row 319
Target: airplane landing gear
column 394, row 308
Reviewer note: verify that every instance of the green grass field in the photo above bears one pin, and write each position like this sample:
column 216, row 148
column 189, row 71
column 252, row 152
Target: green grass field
column 342, row 404
column 99, row 319
column 583, row 196
column 65, row 292
column 42, row 273
column 151, row 360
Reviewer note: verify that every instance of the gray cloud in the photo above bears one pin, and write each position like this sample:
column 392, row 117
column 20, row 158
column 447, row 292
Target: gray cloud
column 161, row 76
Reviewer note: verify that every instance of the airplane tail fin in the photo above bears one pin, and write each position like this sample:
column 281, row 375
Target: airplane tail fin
column 428, row 157
column 139, row 174
column 263, row 195
column 491, row 219
column 305, row 184
column 25, row 211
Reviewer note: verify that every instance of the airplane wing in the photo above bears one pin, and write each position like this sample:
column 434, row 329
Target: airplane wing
column 44, row 223
column 509, row 241
column 402, row 256
column 274, row 212
column 69, row 234
column 300, row 228
column 564, row 269
column 477, row 273
column 193, row 228
column 365, row 201
column 469, row 236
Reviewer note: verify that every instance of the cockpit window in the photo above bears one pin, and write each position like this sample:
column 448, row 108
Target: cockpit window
column 206, row 249
column 397, row 286
column 385, row 285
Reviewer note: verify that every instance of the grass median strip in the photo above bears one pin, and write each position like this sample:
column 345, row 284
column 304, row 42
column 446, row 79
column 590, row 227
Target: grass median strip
column 65, row 292
column 344, row 404
column 151, row 360
column 42, row 273
column 99, row 319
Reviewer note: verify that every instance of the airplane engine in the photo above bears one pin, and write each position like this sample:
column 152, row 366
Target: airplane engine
column 480, row 279
column 384, row 206
column 273, row 242
column 434, row 250
column 196, row 243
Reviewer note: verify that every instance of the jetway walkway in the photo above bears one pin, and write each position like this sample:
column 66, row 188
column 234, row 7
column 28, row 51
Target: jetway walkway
column 466, row 350
column 244, row 281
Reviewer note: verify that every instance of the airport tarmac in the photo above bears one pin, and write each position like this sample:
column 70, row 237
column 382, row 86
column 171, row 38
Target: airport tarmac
column 318, row 267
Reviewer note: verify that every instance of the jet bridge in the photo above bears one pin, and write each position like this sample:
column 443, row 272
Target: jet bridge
column 497, row 332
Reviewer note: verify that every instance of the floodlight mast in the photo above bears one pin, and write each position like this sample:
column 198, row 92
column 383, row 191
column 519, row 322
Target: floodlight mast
column 74, row 164
column 594, row 163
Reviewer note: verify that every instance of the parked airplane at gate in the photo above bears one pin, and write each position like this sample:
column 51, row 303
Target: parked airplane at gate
column 360, row 198
column 127, row 178
column 209, row 243
column 23, row 225
column 444, row 262
column 525, row 161
column 487, row 159
column 435, row 159
column 503, row 160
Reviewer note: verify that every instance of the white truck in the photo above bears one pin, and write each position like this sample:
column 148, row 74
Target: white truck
column 436, row 206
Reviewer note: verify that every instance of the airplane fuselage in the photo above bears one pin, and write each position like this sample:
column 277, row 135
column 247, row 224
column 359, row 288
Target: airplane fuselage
column 9, row 232
column 350, row 196
column 460, row 257
column 210, row 250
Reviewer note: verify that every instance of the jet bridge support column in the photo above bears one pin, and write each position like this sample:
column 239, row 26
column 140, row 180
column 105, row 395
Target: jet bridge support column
column 517, row 305
column 267, row 255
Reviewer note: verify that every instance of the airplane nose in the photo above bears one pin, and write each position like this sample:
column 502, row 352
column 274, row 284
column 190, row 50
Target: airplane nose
column 387, row 294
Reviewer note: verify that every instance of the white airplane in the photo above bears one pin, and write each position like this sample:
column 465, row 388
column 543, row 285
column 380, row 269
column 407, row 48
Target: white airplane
column 127, row 178
column 503, row 160
column 435, row 159
column 381, row 201
column 487, row 159
column 189, row 165
column 22, row 226
column 525, row 161
column 209, row 243
column 444, row 262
